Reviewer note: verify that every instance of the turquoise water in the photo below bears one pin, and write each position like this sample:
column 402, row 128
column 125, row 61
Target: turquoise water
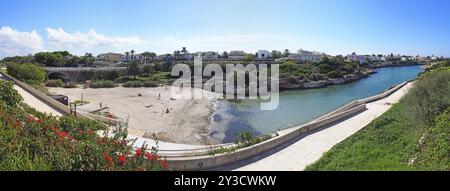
column 300, row 106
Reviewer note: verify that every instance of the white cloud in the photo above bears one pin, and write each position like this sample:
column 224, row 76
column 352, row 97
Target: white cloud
column 89, row 40
column 13, row 42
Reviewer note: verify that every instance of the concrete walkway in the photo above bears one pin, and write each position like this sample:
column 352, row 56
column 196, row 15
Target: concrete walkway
column 34, row 102
column 307, row 150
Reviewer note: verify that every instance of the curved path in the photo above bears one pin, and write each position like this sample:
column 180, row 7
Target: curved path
column 298, row 154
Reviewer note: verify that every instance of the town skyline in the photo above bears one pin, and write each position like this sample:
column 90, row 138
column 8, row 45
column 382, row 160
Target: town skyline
column 400, row 27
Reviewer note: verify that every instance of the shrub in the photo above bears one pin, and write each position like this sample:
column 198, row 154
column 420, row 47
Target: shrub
column 112, row 75
column 54, row 83
column 151, row 84
column 435, row 148
column 9, row 95
column 28, row 73
column 133, row 84
column 70, row 85
column 103, row 84
column 430, row 96
column 124, row 79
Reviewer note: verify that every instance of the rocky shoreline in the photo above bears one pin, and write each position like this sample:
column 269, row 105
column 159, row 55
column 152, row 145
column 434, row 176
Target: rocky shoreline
column 394, row 64
column 293, row 84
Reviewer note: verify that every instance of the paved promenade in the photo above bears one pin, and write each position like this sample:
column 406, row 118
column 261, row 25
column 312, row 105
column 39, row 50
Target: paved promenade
column 307, row 150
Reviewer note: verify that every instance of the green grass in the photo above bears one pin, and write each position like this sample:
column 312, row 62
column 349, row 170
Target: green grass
column 160, row 77
column 80, row 103
column 391, row 142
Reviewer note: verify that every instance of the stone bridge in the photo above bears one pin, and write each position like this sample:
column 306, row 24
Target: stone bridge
column 77, row 74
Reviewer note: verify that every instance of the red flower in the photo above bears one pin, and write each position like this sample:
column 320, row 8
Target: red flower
column 108, row 158
column 122, row 159
column 63, row 135
column 138, row 152
column 165, row 164
column 16, row 124
column 90, row 132
column 151, row 156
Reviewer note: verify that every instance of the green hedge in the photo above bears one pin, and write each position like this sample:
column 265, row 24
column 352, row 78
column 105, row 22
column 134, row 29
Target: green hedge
column 138, row 84
column 133, row 84
column 103, row 84
column 54, row 83
column 29, row 73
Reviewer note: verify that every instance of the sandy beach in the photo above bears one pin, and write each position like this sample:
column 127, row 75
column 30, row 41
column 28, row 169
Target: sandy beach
column 155, row 111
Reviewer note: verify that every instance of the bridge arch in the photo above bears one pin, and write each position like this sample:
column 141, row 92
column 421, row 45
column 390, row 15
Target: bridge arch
column 58, row 76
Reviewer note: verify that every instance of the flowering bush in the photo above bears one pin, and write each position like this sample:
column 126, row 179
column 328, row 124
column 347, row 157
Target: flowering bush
column 30, row 140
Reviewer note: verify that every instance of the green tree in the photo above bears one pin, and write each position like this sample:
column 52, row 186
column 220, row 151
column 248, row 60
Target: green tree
column 29, row 73
column 88, row 59
column 277, row 54
column 148, row 56
column 286, row 53
column 224, row 55
column 9, row 95
column 249, row 57
column 132, row 54
column 148, row 69
column 134, row 69
column 127, row 54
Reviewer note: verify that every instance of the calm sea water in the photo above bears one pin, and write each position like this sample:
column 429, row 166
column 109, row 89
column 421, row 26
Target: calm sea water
column 300, row 106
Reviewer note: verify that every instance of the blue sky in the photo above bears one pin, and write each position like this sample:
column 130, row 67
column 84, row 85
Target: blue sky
column 332, row 26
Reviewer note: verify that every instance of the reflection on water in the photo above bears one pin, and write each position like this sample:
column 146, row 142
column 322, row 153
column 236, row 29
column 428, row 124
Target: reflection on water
column 300, row 106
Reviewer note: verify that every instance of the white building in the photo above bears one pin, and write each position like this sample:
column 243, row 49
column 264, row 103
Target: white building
column 134, row 57
column 210, row 55
column 306, row 56
column 264, row 54
column 236, row 55
column 356, row 58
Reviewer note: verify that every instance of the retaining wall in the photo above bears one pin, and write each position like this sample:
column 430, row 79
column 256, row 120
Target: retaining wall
column 207, row 162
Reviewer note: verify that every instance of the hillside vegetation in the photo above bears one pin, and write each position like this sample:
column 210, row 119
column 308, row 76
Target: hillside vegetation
column 413, row 135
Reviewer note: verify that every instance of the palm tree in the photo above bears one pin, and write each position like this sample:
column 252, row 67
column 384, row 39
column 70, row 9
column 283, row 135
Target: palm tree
column 89, row 59
column 286, row 53
column 127, row 54
column 132, row 54
column 147, row 69
column 134, row 69
column 176, row 54
column 146, row 55
column 153, row 56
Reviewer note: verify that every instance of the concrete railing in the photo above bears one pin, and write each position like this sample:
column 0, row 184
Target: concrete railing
column 207, row 162
column 61, row 108
column 364, row 101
